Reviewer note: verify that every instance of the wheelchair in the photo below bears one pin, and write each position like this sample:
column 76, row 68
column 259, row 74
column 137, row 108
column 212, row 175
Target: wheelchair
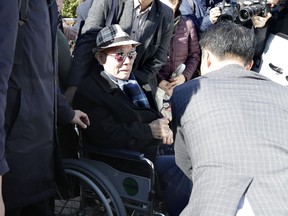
column 98, row 187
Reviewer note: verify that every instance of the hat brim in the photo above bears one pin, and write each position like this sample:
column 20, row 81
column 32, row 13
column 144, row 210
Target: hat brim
column 120, row 43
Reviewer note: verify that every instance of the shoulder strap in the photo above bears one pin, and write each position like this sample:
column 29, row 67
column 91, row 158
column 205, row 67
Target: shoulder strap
column 23, row 6
column 23, row 9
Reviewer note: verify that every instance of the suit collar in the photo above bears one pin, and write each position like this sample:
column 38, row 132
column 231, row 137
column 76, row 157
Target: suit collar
column 232, row 71
column 105, row 82
column 112, row 88
column 227, row 70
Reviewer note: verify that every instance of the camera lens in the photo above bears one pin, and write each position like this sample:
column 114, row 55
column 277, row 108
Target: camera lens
column 245, row 14
column 249, row 11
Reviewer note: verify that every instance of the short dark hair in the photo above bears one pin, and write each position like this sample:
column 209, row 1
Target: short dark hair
column 228, row 39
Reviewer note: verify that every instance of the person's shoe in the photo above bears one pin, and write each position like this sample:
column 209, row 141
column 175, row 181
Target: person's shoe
column 276, row 69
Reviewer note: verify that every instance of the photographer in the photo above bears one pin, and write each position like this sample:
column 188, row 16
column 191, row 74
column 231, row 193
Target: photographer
column 247, row 13
column 255, row 15
column 202, row 12
column 264, row 26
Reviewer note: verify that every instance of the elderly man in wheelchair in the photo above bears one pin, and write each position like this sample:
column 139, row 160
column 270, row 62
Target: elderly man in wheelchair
column 121, row 145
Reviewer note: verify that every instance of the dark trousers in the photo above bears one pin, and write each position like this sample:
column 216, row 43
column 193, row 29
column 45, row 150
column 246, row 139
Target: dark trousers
column 43, row 208
column 176, row 186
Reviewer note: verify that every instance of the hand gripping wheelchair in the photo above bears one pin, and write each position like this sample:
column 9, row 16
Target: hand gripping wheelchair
column 98, row 187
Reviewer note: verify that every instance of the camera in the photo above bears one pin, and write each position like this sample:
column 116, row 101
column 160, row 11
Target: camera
column 253, row 8
column 229, row 10
column 235, row 10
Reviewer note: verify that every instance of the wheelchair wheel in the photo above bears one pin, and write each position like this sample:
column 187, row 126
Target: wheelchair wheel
column 90, row 193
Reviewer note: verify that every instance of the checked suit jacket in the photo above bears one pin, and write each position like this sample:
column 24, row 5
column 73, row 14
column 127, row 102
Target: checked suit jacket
column 231, row 140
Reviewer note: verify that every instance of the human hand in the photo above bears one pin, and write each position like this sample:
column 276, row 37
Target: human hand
column 164, row 85
column 174, row 81
column 177, row 80
column 81, row 119
column 214, row 14
column 169, row 139
column 259, row 21
column 160, row 128
column 166, row 111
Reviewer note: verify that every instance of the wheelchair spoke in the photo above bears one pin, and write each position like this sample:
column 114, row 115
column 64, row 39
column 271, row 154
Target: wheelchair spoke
column 82, row 201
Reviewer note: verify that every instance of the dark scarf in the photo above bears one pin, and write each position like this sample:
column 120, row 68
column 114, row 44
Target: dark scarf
column 134, row 92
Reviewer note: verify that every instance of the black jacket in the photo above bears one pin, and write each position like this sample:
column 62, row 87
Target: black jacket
column 115, row 122
column 31, row 114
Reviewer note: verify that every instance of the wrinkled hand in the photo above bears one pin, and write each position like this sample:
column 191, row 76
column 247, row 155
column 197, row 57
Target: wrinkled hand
column 260, row 22
column 214, row 14
column 169, row 139
column 160, row 130
column 81, row 119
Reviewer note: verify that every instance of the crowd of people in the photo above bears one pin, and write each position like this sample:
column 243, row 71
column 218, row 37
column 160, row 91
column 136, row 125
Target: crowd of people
column 220, row 149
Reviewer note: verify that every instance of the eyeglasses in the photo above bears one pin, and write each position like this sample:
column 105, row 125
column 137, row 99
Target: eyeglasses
column 121, row 56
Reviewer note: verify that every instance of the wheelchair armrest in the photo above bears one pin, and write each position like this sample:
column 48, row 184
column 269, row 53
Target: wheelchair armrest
column 120, row 153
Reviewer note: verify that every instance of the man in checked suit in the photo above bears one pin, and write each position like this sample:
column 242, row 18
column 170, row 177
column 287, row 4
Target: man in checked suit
column 231, row 137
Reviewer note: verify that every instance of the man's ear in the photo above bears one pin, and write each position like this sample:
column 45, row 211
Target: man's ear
column 205, row 62
column 100, row 58
column 209, row 59
column 206, row 58
column 249, row 65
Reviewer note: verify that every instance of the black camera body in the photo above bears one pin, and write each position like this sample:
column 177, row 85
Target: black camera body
column 253, row 8
column 242, row 10
column 229, row 10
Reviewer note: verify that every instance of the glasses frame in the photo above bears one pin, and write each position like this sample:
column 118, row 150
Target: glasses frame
column 121, row 56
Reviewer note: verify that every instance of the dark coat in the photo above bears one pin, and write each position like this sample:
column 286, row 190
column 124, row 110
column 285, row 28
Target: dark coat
column 8, row 32
column 184, row 48
column 115, row 122
column 31, row 114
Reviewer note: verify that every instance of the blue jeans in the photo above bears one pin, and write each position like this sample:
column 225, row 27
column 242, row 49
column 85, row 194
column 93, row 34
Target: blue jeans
column 175, row 185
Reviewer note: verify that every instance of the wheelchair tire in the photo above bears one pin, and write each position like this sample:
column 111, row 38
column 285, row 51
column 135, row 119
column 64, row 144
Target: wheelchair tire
column 90, row 192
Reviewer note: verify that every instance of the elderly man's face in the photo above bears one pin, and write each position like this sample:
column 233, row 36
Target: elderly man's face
column 119, row 61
